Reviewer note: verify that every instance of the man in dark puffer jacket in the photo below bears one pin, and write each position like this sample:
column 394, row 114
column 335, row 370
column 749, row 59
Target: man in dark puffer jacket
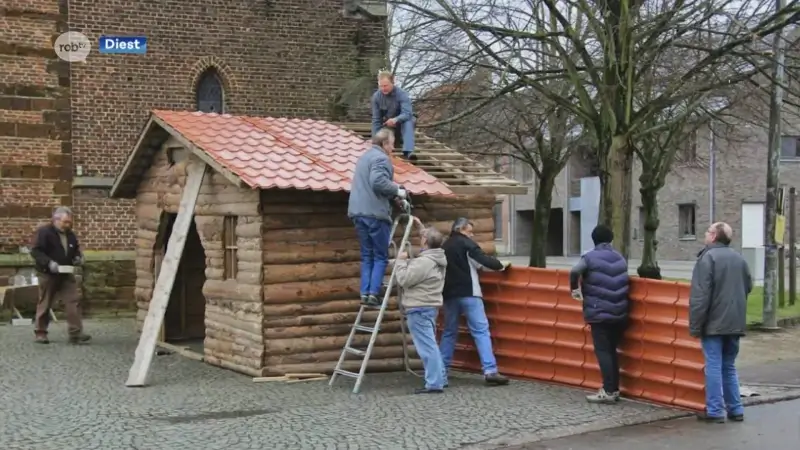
column 602, row 275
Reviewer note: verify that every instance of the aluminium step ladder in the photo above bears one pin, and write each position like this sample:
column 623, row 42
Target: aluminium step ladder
column 358, row 326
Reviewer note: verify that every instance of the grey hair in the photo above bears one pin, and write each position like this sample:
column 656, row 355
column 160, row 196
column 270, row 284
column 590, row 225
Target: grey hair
column 460, row 224
column 723, row 232
column 62, row 211
column 433, row 238
column 382, row 136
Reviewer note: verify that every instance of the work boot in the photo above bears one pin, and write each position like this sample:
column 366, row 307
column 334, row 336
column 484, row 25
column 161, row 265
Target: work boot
column 364, row 299
column 495, row 379
column 79, row 339
column 409, row 157
column 373, row 301
column 736, row 417
column 41, row 339
column 428, row 391
column 616, row 395
column 602, row 397
column 704, row 417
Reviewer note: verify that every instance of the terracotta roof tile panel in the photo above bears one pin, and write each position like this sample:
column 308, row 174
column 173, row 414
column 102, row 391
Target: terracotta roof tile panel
column 287, row 153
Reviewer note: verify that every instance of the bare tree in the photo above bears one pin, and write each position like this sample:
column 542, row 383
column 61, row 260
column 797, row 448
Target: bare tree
column 621, row 43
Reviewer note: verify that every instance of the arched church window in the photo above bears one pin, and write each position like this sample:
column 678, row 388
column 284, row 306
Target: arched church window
column 210, row 93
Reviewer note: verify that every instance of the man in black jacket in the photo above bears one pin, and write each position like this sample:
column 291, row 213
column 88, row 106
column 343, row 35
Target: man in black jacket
column 55, row 245
column 462, row 294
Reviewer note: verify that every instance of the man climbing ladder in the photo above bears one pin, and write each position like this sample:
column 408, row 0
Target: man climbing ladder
column 370, row 210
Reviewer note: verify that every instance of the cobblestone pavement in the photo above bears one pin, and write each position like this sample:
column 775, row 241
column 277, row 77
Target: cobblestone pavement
column 63, row 397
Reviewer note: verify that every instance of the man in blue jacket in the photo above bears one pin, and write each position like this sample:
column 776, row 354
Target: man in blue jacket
column 370, row 210
column 391, row 107
column 600, row 280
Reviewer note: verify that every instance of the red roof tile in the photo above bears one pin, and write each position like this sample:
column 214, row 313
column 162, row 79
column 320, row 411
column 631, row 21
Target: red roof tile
column 287, row 153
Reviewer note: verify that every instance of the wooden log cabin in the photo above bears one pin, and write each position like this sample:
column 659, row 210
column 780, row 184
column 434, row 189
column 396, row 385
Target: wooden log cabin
column 267, row 280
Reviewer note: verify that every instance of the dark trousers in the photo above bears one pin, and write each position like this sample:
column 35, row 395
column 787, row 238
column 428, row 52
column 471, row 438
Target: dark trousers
column 607, row 338
column 58, row 288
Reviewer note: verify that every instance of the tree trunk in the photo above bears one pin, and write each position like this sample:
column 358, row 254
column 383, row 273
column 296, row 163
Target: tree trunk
column 615, row 200
column 649, row 267
column 541, row 218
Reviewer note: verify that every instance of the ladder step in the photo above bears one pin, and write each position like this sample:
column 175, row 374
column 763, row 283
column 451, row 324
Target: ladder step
column 364, row 328
column 346, row 373
column 354, row 351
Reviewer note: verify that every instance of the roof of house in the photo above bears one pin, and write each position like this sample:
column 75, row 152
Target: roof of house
column 264, row 153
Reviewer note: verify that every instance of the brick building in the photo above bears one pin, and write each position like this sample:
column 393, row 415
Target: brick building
column 65, row 129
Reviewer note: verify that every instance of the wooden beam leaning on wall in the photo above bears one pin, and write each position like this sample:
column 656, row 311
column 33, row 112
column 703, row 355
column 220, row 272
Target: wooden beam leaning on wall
column 140, row 369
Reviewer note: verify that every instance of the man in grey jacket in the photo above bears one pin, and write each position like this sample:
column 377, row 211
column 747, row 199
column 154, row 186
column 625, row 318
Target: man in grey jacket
column 370, row 210
column 422, row 281
column 721, row 283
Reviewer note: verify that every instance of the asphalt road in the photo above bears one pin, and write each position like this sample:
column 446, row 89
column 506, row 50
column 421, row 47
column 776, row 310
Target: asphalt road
column 773, row 427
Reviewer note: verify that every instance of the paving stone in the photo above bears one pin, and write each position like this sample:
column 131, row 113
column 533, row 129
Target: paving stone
column 64, row 397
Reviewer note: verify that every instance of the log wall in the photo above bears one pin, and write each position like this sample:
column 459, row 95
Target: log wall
column 233, row 313
column 311, row 277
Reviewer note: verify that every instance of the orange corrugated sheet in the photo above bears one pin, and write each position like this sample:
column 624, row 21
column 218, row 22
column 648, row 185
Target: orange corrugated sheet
column 538, row 333
column 268, row 152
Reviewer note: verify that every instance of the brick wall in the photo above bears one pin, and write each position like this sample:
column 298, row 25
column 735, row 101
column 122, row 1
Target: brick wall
column 35, row 151
column 278, row 58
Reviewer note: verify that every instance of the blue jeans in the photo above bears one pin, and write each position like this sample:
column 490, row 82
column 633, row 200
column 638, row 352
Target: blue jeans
column 472, row 308
column 422, row 325
column 403, row 133
column 406, row 134
column 722, row 383
column 373, row 238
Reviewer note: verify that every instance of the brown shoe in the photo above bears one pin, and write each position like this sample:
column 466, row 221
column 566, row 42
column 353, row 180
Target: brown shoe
column 42, row 339
column 495, row 379
column 80, row 339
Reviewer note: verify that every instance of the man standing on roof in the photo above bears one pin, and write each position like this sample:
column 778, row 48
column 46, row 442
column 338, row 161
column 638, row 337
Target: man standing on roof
column 462, row 294
column 370, row 210
column 391, row 107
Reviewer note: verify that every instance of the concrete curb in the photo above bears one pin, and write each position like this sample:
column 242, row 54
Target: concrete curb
column 521, row 439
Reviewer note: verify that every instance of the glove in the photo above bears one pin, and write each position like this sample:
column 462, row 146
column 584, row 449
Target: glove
column 577, row 295
column 78, row 261
column 506, row 264
column 401, row 192
column 52, row 266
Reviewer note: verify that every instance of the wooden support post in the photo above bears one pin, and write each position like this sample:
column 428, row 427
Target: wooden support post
column 140, row 369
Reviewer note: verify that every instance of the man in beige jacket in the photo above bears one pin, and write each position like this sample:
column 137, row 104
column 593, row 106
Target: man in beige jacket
column 422, row 281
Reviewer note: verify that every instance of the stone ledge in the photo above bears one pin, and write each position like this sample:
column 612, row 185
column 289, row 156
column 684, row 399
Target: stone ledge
column 92, row 182
column 25, row 260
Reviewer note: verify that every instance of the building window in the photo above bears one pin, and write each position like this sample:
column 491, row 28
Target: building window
column 790, row 147
column 686, row 221
column 498, row 221
column 527, row 172
column 688, row 150
column 210, row 94
column 642, row 218
column 229, row 262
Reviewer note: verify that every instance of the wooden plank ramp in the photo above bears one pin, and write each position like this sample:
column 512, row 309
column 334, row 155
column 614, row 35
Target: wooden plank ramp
column 462, row 174
column 143, row 358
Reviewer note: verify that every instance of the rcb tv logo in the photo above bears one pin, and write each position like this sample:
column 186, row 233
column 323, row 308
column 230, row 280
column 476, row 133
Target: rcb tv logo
column 72, row 46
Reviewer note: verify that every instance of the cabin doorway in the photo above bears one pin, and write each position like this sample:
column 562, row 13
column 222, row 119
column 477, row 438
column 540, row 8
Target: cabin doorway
column 184, row 320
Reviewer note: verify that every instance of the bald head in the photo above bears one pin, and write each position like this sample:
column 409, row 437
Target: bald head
column 719, row 232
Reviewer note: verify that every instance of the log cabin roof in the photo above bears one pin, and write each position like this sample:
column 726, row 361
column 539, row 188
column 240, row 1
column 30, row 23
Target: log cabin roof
column 462, row 174
column 264, row 153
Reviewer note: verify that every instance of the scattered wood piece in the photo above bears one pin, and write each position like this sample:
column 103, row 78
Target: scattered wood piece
column 300, row 380
column 267, row 379
column 293, row 377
